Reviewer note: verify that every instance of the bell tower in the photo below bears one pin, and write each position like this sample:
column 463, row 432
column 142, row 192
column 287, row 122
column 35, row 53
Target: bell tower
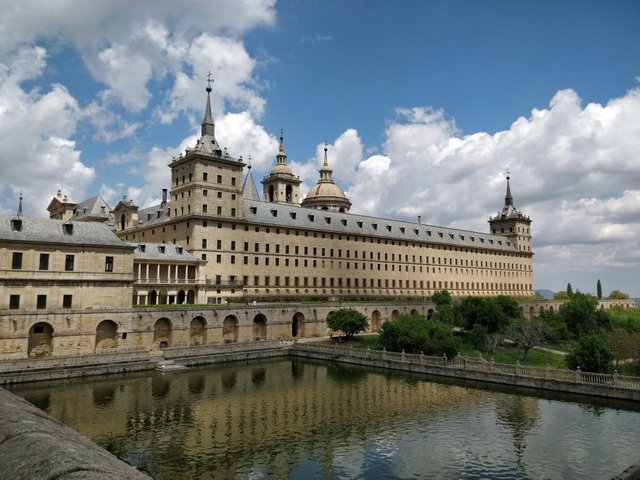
column 281, row 185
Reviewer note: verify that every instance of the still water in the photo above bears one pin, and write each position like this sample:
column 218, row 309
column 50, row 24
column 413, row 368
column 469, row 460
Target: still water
column 293, row 419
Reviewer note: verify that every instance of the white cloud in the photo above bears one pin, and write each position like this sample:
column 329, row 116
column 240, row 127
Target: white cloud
column 574, row 171
column 36, row 155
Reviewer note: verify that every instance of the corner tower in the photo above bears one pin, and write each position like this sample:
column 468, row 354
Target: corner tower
column 206, row 181
column 512, row 224
column 281, row 185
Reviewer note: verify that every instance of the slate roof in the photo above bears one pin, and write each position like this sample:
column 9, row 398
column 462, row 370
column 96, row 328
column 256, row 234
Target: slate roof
column 162, row 252
column 45, row 230
column 92, row 208
column 291, row 216
column 249, row 190
column 154, row 214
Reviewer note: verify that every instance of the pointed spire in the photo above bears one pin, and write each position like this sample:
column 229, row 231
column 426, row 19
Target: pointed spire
column 19, row 205
column 281, row 158
column 508, row 199
column 208, row 127
column 325, row 170
column 326, row 162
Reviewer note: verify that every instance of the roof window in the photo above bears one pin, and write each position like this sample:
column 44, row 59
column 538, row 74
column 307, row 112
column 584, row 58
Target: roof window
column 16, row 224
column 274, row 212
column 293, row 215
column 142, row 248
column 67, row 228
column 253, row 210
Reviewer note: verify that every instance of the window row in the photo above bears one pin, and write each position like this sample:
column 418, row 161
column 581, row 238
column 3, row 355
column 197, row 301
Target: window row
column 41, row 302
column 44, row 262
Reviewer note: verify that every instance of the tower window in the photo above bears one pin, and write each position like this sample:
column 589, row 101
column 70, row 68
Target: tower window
column 16, row 261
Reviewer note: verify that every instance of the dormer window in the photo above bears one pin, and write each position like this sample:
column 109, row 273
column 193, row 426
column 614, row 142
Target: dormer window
column 142, row 248
column 416, row 231
column 310, row 218
column 375, row 226
column 161, row 248
column 359, row 224
column 67, row 228
column 16, row 224
column 440, row 234
column 292, row 215
column 253, row 210
column 327, row 219
column 344, row 222
column 402, row 229
column 179, row 250
column 274, row 212
column 389, row 228
column 451, row 236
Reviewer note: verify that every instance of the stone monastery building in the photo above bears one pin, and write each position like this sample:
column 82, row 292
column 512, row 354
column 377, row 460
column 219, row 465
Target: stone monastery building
column 282, row 247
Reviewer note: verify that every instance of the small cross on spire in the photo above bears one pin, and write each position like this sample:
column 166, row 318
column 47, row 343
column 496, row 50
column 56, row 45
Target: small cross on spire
column 210, row 80
column 508, row 173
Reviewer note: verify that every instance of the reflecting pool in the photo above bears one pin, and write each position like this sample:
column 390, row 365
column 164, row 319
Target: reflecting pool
column 294, row 419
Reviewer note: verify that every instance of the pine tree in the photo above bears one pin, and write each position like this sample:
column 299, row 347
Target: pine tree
column 569, row 289
column 599, row 289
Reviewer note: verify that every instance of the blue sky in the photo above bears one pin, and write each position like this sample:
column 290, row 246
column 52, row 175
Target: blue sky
column 424, row 104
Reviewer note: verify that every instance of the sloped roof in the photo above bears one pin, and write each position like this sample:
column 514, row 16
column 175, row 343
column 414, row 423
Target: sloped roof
column 249, row 190
column 162, row 252
column 92, row 208
column 48, row 231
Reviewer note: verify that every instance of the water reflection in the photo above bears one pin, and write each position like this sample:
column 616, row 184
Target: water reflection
column 311, row 420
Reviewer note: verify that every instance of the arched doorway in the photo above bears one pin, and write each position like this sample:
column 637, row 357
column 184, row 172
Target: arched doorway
column 289, row 194
column 395, row 315
column 414, row 312
column 106, row 335
column 259, row 327
column 40, row 343
column 162, row 333
column 230, row 329
column 375, row 321
column 429, row 313
column 198, row 331
column 182, row 296
column 297, row 325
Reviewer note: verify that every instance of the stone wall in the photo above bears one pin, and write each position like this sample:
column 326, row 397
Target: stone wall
column 34, row 445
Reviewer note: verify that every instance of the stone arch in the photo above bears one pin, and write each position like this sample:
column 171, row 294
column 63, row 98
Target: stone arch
column 551, row 308
column 522, row 311
column 191, row 297
column 531, row 312
column 271, row 193
column 395, row 315
column 230, row 329
column 259, row 327
column 289, row 194
column 152, row 299
column 297, row 325
column 106, row 335
column 430, row 313
column 414, row 312
column 198, row 331
column 40, row 343
column 182, row 296
column 375, row 321
column 541, row 308
column 162, row 333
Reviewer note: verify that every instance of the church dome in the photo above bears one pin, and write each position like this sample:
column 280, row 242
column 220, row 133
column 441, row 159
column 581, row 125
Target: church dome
column 326, row 195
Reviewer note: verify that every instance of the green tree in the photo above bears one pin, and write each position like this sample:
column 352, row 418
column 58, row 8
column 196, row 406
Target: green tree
column 441, row 298
column 618, row 295
column 415, row 334
column 560, row 296
column 579, row 314
column 623, row 345
column 599, row 289
column 528, row 334
column 569, row 289
column 591, row 354
column 486, row 312
column 347, row 321
column 447, row 314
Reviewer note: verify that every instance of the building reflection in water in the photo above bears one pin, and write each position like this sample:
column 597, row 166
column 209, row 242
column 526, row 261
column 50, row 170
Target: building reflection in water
column 289, row 418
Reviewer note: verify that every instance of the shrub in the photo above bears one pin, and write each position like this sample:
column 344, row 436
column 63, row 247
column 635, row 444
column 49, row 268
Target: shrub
column 591, row 354
column 415, row 334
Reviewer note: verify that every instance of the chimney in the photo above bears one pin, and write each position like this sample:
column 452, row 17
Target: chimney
column 419, row 219
column 164, row 197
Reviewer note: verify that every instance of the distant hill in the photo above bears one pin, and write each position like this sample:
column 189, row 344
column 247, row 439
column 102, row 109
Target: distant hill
column 546, row 294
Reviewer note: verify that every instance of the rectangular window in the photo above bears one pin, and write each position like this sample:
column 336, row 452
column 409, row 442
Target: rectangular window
column 233, row 212
column 68, row 263
column 219, row 210
column 14, row 302
column 204, row 208
column 233, row 180
column 233, row 245
column 204, row 192
column 44, row 261
column 219, row 244
column 108, row 264
column 16, row 262
column 205, row 176
column 41, row 302
column 204, row 243
column 218, row 258
column 67, row 301
column 219, row 178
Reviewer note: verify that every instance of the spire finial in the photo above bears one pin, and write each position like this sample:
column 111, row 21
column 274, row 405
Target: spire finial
column 326, row 162
column 210, row 80
column 19, row 205
column 249, row 162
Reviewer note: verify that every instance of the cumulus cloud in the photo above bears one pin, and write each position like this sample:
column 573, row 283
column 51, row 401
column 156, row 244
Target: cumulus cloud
column 574, row 171
column 36, row 155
